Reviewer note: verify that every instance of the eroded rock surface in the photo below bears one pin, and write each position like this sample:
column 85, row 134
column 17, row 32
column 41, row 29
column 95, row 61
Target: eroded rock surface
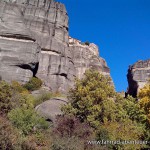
column 137, row 76
column 48, row 22
column 18, row 49
column 86, row 56
column 51, row 108
column 34, row 41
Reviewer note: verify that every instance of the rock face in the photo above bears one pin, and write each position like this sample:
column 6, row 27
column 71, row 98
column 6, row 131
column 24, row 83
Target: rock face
column 137, row 76
column 18, row 49
column 34, row 41
column 86, row 56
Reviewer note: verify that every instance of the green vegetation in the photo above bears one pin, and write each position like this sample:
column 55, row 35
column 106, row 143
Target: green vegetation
column 33, row 84
column 20, row 125
column 95, row 101
column 5, row 97
column 44, row 96
column 87, row 43
column 9, row 137
column 144, row 96
column 92, row 99
column 95, row 112
column 26, row 120
column 70, row 133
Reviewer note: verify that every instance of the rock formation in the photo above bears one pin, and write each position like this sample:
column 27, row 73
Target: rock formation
column 18, row 49
column 34, row 41
column 137, row 76
column 86, row 56
column 51, row 108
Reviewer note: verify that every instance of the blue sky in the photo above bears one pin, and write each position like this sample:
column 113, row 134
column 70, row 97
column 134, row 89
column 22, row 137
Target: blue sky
column 121, row 29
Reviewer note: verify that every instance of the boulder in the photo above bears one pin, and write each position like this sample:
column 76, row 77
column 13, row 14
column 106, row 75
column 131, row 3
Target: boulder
column 51, row 108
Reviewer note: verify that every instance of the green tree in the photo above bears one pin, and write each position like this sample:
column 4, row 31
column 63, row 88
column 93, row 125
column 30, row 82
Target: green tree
column 144, row 102
column 144, row 99
column 92, row 99
column 87, row 43
column 132, row 108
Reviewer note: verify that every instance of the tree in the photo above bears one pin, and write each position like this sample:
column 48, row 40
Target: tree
column 94, row 100
column 144, row 99
column 132, row 108
column 91, row 98
column 87, row 43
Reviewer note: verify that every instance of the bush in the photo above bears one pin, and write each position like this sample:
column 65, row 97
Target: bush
column 65, row 144
column 70, row 133
column 68, row 126
column 10, row 139
column 27, row 120
column 40, row 141
column 125, row 130
column 33, row 84
column 87, row 43
column 44, row 96
column 14, row 95
column 5, row 97
column 17, row 87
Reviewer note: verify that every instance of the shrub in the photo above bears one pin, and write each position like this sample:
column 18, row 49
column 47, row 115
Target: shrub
column 10, row 139
column 65, row 144
column 40, row 141
column 5, row 97
column 33, row 84
column 125, row 130
column 87, row 43
column 43, row 97
column 17, row 87
column 70, row 133
column 14, row 95
column 68, row 126
column 27, row 120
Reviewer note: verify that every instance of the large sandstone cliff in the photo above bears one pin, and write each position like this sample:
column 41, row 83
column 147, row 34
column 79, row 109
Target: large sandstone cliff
column 86, row 56
column 34, row 41
column 137, row 76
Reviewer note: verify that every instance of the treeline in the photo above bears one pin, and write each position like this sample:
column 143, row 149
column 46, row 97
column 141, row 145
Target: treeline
column 95, row 113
